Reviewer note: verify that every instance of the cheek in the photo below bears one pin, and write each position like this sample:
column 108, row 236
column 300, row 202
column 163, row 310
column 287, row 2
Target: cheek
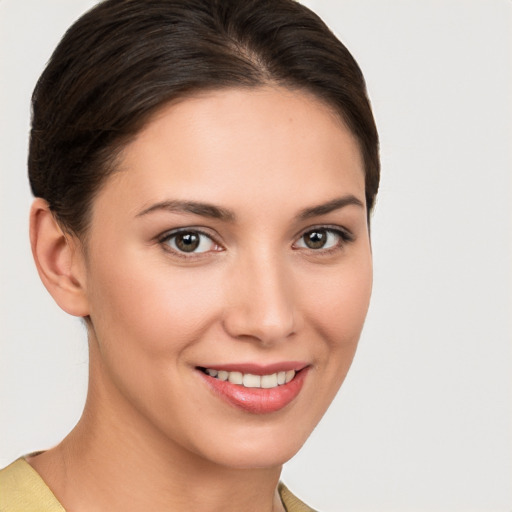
column 338, row 308
column 151, row 306
column 344, row 300
column 147, row 320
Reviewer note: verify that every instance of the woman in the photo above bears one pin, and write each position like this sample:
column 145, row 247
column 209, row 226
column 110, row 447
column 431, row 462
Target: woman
column 204, row 172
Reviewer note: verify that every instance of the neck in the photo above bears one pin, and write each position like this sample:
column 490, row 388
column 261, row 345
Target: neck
column 114, row 460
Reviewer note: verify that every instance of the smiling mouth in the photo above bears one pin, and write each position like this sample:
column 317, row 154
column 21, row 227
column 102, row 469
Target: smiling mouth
column 249, row 380
column 256, row 389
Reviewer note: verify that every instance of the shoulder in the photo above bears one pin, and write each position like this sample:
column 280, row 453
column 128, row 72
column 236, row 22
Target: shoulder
column 22, row 489
column 291, row 502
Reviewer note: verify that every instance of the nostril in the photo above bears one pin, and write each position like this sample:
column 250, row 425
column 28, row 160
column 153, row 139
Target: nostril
column 250, row 328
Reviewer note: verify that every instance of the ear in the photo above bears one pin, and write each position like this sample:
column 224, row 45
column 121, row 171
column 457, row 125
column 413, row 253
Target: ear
column 59, row 260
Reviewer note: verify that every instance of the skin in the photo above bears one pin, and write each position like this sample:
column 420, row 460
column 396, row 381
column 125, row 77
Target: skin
column 153, row 436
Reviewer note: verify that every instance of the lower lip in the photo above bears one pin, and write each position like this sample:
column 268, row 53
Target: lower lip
column 257, row 400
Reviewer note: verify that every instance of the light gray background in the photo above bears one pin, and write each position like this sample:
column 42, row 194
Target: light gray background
column 424, row 419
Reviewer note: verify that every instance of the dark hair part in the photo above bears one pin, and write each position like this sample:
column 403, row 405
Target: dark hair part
column 124, row 59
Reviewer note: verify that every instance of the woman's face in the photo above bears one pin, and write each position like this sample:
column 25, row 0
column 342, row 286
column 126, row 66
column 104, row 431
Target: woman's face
column 233, row 244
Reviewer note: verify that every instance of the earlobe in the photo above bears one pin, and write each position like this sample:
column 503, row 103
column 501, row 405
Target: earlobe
column 58, row 259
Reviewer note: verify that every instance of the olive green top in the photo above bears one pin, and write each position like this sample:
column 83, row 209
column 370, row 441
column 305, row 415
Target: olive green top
column 23, row 490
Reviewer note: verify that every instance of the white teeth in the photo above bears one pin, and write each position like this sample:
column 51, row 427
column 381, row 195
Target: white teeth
column 269, row 381
column 249, row 380
column 222, row 375
column 252, row 381
column 235, row 378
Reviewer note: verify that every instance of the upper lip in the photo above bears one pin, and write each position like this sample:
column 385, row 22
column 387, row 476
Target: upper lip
column 258, row 369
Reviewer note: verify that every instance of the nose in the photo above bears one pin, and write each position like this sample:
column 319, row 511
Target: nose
column 261, row 305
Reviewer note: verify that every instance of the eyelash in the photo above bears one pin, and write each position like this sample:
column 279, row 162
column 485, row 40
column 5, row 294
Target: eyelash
column 165, row 239
column 344, row 237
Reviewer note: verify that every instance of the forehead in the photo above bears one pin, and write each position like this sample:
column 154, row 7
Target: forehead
column 239, row 146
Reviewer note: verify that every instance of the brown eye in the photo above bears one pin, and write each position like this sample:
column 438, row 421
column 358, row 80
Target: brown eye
column 322, row 238
column 315, row 239
column 189, row 242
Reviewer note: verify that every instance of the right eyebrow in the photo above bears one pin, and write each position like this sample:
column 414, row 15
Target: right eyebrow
column 194, row 207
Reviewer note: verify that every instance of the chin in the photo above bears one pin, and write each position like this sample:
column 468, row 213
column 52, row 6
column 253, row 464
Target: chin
column 257, row 448
column 254, row 457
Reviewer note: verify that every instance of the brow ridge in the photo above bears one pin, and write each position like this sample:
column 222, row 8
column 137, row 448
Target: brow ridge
column 330, row 206
column 194, row 207
column 217, row 212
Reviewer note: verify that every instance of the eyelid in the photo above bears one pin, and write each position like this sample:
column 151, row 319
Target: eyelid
column 167, row 235
column 346, row 236
column 344, row 232
column 170, row 232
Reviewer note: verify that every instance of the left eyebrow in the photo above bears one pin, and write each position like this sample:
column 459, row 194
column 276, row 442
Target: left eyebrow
column 330, row 206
